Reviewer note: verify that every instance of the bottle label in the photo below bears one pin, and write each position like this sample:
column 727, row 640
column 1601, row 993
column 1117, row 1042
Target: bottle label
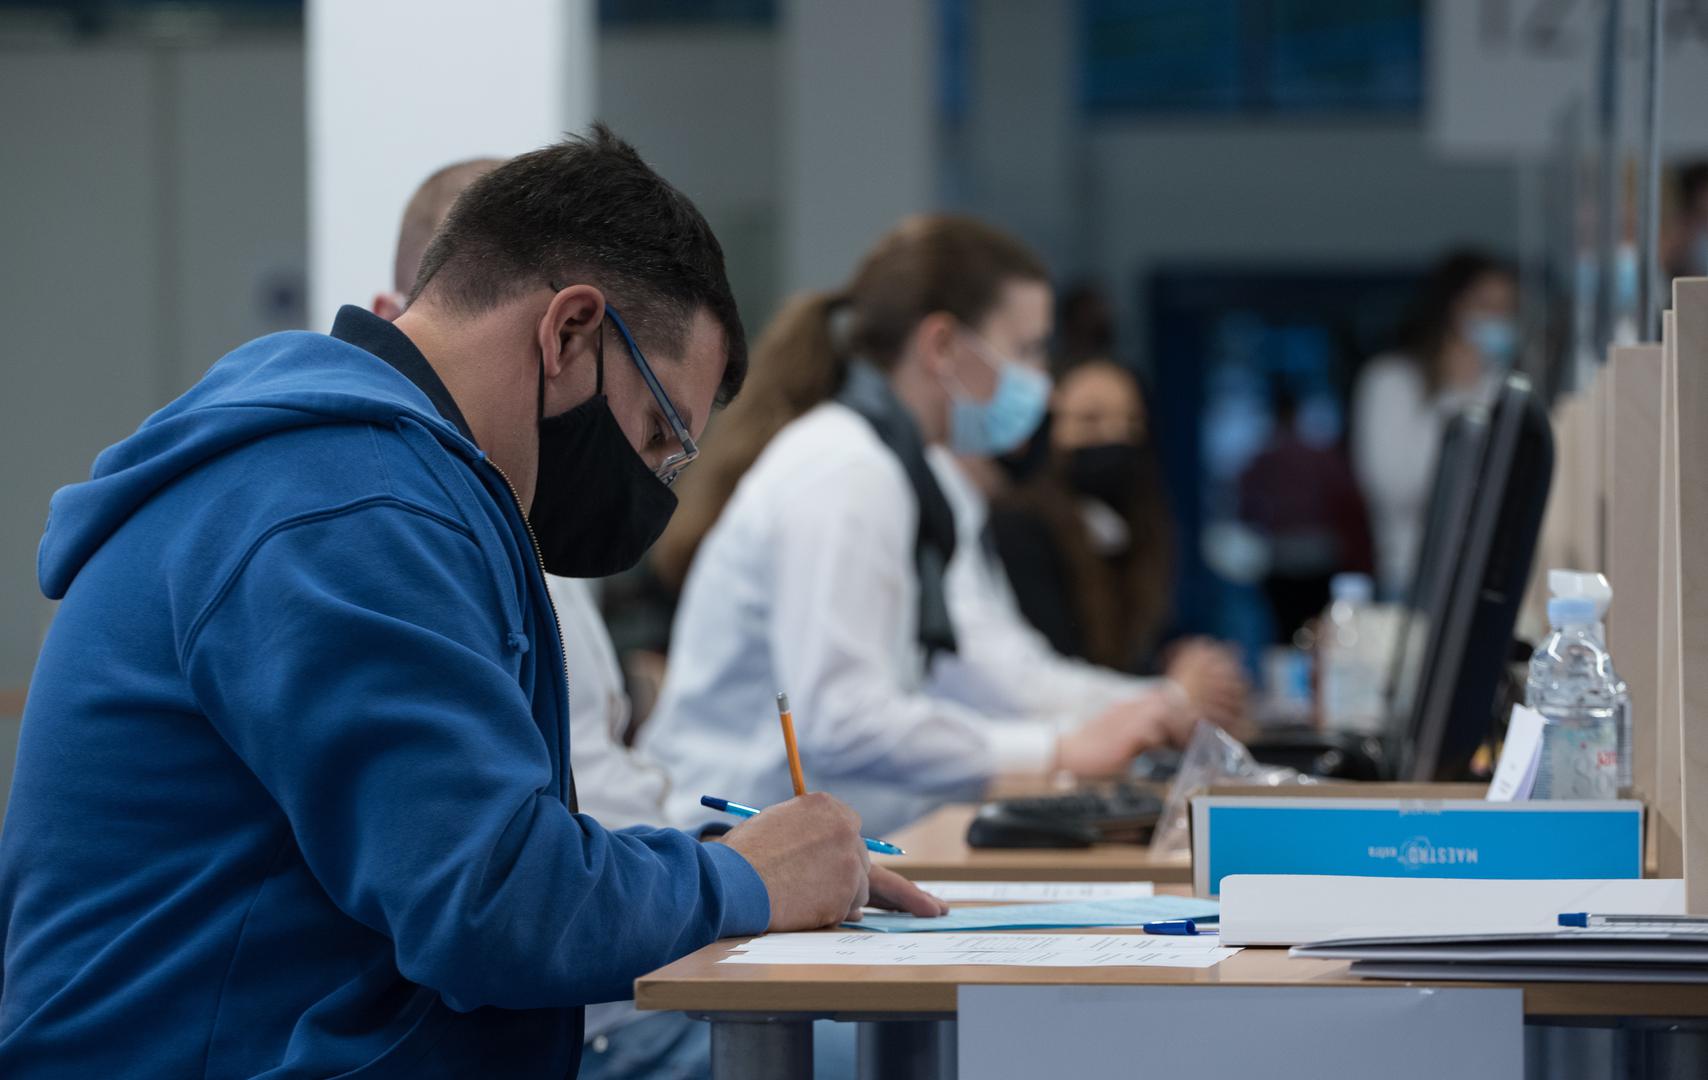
column 1579, row 761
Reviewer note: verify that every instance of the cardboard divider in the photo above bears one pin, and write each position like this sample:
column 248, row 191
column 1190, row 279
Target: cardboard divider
column 1587, row 479
column 1668, row 799
column 1633, row 543
column 1690, row 306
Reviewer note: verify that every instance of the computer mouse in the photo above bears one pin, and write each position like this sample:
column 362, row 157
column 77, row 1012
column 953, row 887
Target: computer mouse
column 996, row 827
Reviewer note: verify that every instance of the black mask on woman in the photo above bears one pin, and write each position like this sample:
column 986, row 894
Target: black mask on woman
column 1115, row 474
column 597, row 506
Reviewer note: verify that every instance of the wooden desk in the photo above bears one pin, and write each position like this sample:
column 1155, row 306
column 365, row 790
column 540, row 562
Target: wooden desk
column 762, row 1016
column 937, row 850
column 699, row 984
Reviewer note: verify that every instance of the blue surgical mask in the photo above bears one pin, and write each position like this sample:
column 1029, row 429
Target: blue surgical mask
column 1495, row 337
column 1013, row 413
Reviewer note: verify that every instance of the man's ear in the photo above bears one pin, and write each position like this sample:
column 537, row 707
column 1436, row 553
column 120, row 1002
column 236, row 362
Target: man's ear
column 389, row 305
column 569, row 329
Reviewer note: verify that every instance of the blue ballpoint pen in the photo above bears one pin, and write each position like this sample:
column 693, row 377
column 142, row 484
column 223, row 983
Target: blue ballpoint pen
column 1177, row 927
column 725, row 806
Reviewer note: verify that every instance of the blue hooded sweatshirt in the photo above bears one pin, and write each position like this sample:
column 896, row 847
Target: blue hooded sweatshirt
column 293, row 794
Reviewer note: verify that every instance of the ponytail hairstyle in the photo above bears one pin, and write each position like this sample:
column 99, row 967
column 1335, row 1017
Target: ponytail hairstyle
column 926, row 264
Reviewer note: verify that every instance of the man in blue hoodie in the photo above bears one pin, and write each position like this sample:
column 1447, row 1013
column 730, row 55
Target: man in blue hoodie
column 293, row 795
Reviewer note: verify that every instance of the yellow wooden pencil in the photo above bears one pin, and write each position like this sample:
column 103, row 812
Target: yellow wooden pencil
column 788, row 722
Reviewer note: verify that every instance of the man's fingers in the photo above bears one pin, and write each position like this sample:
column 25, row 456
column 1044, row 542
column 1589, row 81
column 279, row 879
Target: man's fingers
column 891, row 890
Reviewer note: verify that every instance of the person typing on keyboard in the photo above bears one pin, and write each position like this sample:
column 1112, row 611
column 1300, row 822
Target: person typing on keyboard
column 820, row 538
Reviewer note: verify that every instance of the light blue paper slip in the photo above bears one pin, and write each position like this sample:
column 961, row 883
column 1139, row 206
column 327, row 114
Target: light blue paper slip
column 1132, row 911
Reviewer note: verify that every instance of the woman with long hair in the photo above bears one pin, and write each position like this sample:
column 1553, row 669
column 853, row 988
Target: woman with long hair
column 1459, row 337
column 1087, row 540
column 819, row 542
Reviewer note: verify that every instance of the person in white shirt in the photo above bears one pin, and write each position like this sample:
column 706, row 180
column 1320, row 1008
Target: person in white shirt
column 824, row 573
column 1460, row 337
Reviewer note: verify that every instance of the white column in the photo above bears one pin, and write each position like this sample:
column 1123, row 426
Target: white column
column 859, row 129
column 1025, row 141
column 399, row 88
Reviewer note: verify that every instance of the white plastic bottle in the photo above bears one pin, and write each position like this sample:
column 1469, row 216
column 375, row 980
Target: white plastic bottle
column 1573, row 685
column 1351, row 675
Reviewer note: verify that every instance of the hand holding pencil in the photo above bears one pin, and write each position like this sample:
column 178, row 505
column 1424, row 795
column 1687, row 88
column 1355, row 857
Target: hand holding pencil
column 792, row 860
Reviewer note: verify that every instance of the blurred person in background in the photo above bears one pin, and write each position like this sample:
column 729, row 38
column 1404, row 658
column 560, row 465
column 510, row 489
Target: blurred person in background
column 422, row 216
column 1461, row 336
column 824, row 539
column 1301, row 498
column 1086, row 538
column 1085, row 326
column 1684, row 241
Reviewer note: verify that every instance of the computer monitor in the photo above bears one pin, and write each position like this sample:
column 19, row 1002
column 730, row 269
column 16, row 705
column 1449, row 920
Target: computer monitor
column 1478, row 566
column 1448, row 519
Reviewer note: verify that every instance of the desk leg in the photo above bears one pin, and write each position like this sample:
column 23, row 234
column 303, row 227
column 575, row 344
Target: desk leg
column 911, row 1049
column 1660, row 1051
column 1618, row 1050
column 761, row 1049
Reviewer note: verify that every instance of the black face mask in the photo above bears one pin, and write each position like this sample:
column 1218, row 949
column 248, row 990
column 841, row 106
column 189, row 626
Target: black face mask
column 1116, row 474
column 597, row 506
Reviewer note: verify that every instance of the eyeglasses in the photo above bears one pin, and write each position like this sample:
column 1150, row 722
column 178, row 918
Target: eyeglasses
column 675, row 463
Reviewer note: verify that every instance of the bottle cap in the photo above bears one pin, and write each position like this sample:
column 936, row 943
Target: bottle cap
column 1352, row 588
column 1582, row 583
column 1571, row 610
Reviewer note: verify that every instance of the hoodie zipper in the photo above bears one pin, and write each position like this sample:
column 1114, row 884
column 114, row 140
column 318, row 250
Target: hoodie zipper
column 534, row 545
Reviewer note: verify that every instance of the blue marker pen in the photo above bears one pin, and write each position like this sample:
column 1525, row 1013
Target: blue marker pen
column 882, row 847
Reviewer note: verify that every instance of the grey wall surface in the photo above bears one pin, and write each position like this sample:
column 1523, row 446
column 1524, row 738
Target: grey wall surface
column 702, row 107
column 1282, row 195
column 154, row 217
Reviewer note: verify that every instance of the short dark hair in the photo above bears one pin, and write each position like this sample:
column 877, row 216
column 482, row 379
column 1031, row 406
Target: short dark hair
column 589, row 208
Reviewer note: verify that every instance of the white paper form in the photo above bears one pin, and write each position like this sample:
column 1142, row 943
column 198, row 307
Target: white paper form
column 1012, row 950
column 1520, row 756
column 960, row 892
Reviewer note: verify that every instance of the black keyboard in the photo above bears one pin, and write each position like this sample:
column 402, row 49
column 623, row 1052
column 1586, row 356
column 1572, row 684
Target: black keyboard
column 1118, row 813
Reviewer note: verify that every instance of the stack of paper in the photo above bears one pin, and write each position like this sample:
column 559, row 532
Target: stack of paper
column 1135, row 911
column 1442, row 928
column 1015, row 950
column 1289, row 909
column 1566, row 955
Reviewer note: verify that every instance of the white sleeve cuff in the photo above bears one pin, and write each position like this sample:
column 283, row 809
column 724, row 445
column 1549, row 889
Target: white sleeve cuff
column 1021, row 746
